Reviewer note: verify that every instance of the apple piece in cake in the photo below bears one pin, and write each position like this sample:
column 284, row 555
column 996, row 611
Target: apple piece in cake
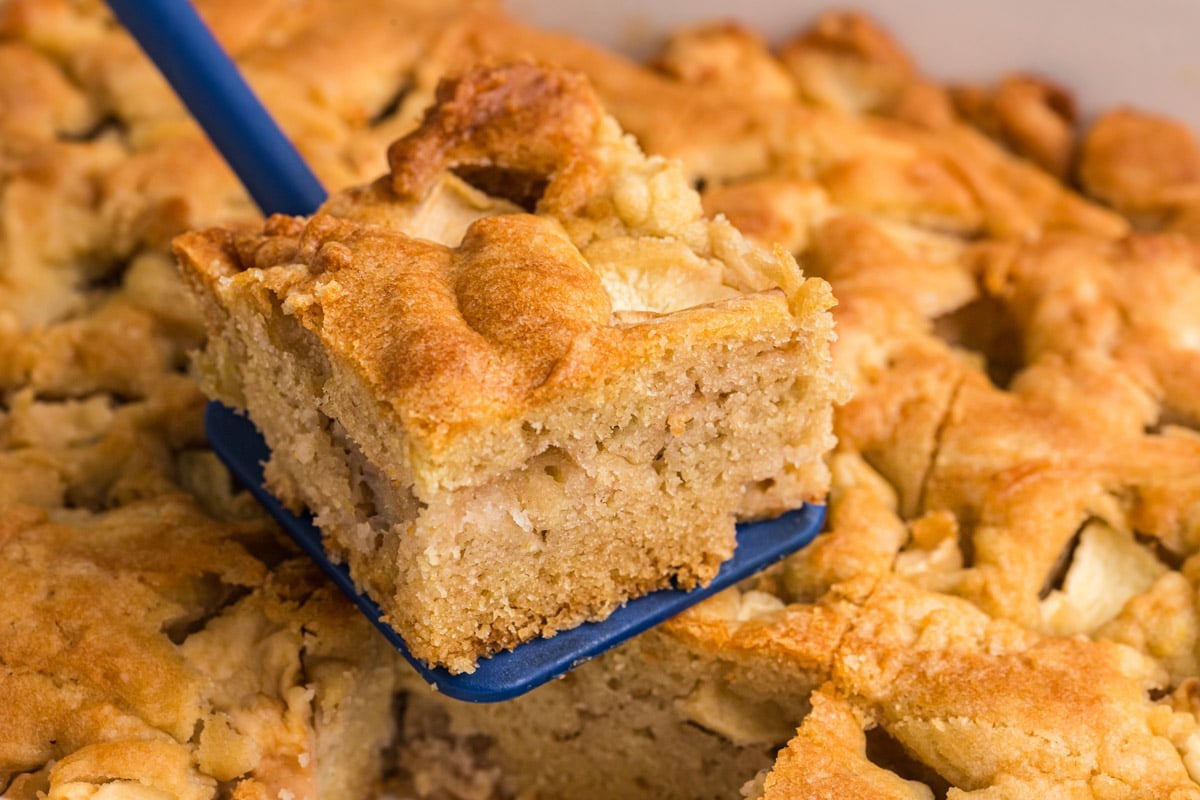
column 508, row 423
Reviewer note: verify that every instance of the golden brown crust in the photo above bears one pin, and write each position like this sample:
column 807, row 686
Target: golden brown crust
column 129, row 661
column 1033, row 116
column 521, row 119
column 1144, row 165
column 844, row 60
column 1130, row 301
column 1023, row 435
column 828, row 758
column 724, row 57
column 916, row 656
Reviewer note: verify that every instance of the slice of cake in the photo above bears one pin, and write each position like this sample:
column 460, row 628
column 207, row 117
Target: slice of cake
column 509, row 422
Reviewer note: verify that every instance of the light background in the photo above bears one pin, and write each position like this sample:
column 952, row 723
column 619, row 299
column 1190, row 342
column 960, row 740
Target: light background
column 1144, row 53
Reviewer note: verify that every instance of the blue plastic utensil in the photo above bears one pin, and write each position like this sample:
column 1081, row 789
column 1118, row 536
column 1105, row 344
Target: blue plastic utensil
column 214, row 91
column 278, row 179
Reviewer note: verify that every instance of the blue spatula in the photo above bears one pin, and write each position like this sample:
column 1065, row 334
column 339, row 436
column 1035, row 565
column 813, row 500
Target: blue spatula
column 279, row 181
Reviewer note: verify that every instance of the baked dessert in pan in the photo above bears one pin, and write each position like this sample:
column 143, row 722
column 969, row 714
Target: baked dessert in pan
column 1003, row 605
column 137, row 670
column 509, row 423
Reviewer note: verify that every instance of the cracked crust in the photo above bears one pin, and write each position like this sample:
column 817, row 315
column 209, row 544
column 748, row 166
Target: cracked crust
column 1023, row 438
column 183, row 670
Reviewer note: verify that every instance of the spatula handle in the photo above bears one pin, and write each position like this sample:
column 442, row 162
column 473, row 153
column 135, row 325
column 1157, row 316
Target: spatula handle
column 214, row 91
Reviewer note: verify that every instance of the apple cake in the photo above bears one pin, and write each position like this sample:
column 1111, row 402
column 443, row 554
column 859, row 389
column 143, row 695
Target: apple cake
column 508, row 423
column 1003, row 603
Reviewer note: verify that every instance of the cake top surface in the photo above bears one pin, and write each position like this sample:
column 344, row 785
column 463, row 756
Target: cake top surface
column 458, row 309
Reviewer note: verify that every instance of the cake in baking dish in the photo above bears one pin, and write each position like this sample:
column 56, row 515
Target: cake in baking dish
column 509, row 422
column 207, row 668
column 1004, row 603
